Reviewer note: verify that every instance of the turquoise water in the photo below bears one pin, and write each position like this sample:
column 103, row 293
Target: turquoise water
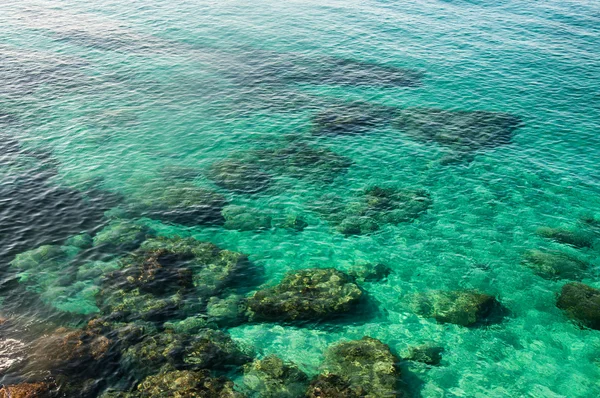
column 119, row 93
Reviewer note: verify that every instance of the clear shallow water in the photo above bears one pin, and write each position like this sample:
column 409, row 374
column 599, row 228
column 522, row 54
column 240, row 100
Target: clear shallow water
column 103, row 98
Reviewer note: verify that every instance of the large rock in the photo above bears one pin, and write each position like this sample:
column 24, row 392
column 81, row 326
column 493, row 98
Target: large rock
column 581, row 303
column 465, row 308
column 306, row 294
column 359, row 368
column 165, row 273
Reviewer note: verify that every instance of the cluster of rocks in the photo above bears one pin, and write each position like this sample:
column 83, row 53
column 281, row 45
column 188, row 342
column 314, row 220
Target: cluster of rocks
column 578, row 301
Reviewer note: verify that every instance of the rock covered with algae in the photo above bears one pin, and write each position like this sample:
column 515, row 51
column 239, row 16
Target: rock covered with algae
column 238, row 176
column 155, row 280
column 243, row 218
column 462, row 131
column 28, row 390
column 206, row 349
column 581, row 303
column 576, row 238
column 553, row 264
column 180, row 384
column 374, row 206
column 358, row 368
column 306, row 294
column 464, row 308
column 271, row 377
column 187, row 384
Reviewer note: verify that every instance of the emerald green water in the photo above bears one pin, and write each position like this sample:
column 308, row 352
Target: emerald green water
column 119, row 91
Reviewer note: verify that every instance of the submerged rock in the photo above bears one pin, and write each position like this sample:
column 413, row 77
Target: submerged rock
column 306, row 294
column 575, row 238
column 121, row 236
column 155, row 280
column 463, row 131
column 465, row 308
column 581, row 303
column 238, row 176
column 242, row 218
column 357, row 225
column 72, row 352
column 271, row 377
column 28, row 390
column 361, row 368
column 81, row 241
column 334, row 386
column 427, row 354
column 186, row 384
column 551, row 264
column 301, row 160
column 367, row 272
column 350, row 119
column 206, row 349
column 374, row 207
column 185, row 204
column 292, row 222
column 226, row 311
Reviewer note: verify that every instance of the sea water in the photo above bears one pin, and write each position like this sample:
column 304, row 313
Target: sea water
column 110, row 94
